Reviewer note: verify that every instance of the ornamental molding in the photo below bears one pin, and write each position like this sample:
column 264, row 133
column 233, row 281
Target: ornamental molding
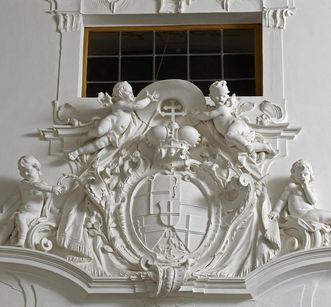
column 225, row 4
column 69, row 22
column 253, row 285
column 165, row 192
column 283, row 8
column 276, row 18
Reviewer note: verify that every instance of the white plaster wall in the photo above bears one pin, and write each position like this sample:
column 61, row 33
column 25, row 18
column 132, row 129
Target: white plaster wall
column 307, row 58
column 29, row 52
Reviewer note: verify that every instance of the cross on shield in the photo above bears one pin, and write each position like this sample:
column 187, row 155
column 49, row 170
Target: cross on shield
column 167, row 200
column 169, row 212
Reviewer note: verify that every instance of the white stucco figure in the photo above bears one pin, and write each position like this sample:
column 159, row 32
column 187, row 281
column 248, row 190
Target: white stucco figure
column 298, row 198
column 34, row 195
column 227, row 121
column 110, row 128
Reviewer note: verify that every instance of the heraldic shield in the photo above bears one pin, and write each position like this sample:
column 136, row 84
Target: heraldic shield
column 169, row 212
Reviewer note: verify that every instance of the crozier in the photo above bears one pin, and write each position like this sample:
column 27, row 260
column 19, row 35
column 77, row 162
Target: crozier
column 168, row 187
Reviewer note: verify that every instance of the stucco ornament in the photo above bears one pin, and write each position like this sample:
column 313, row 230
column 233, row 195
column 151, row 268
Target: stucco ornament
column 303, row 225
column 165, row 187
column 36, row 205
column 174, row 6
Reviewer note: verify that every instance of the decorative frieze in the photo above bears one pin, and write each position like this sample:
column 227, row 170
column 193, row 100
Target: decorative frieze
column 276, row 18
column 69, row 21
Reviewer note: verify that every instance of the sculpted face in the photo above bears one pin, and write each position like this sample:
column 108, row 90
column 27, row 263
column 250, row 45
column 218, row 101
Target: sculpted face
column 219, row 92
column 30, row 173
column 127, row 93
column 301, row 172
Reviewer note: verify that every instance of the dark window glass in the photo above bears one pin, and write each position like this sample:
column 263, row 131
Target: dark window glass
column 239, row 66
column 241, row 40
column 102, row 69
column 137, row 43
column 201, row 56
column 205, row 41
column 242, row 87
column 138, row 86
column 137, row 68
column 203, row 86
column 206, row 67
column 170, row 67
column 171, row 42
column 93, row 89
column 103, row 43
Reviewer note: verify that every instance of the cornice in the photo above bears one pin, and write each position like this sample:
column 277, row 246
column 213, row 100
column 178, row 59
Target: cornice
column 256, row 283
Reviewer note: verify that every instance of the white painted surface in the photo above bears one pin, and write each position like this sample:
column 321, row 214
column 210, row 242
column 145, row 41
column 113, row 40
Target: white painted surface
column 29, row 54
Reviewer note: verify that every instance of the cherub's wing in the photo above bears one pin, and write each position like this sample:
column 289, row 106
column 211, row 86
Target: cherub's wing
column 105, row 99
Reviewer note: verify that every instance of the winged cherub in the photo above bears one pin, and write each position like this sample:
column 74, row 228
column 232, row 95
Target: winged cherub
column 110, row 128
column 227, row 120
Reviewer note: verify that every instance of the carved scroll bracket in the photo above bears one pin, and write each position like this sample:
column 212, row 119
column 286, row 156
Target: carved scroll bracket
column 69, row 21
column 276, row 18
column 275, row 13
column 225, row 4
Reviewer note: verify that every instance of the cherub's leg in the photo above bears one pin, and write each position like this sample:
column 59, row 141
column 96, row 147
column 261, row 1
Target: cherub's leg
column 263, row 147
column 104, row 126
column 234, row 135
column 6, row 230
column 322, row 216
column 22, row 228
column 90, row 147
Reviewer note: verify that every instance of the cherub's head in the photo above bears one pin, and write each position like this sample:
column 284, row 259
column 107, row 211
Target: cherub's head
column 218, row 91
column 122, row 90
column 29, row 168
column 301, row 171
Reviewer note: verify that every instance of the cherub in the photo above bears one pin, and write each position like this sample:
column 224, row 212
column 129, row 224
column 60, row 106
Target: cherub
column 227, row 121
column 299, row 198
column 110, row 128
column 34, row 195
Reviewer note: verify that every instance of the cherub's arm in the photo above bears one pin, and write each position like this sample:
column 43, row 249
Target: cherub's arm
column 310, row 195
column 143, row 103
column 44, row 187
column 281, row 203
column 207, row 115
column 140, row 104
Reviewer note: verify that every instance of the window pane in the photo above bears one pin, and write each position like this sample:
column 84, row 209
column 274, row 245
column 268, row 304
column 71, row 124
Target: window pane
column 138, row 86
column 203, row 86
column 171, row 67
column 205, row 67
column 93, row 89
column 103, row 43
column 205, row 41
column 242, row 87
column 239, row 40
column 102, row 69
column 239, row 66
column 174, row 42
column 137, row 68
column 137, row 43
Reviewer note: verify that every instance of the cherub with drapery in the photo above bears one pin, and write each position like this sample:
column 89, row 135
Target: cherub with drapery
column 226, row 116
column 108, row 130
column 36, row 201
column 298, row 197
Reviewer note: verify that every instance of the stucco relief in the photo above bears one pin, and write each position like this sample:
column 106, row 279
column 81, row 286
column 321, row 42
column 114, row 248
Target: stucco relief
column 166, row 187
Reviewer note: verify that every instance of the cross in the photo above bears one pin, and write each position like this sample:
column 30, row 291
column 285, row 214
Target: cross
column 171, row 106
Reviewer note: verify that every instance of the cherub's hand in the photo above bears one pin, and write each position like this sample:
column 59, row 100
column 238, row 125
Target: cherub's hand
column 273, row 216
column 58, row 189
column 194, row 112
column 154, row 97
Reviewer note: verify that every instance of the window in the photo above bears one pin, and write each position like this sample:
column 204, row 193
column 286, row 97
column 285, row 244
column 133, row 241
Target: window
column 199, row 54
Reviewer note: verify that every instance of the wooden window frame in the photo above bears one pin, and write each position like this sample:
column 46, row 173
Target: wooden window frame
column 257, row 44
